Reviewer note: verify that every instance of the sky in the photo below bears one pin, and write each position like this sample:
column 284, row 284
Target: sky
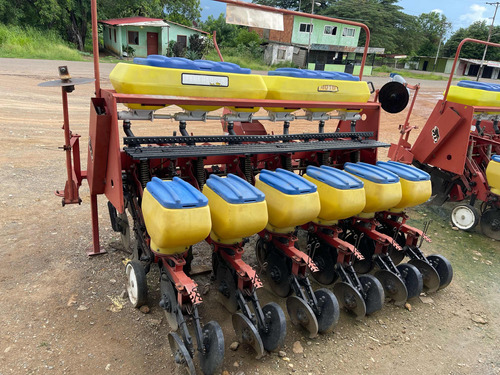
column 461, row 13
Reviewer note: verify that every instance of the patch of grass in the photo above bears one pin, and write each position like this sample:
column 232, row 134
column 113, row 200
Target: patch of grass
column 385, row 70
column 31, row 43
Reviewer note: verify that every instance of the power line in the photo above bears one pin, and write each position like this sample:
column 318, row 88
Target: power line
column 480, row 72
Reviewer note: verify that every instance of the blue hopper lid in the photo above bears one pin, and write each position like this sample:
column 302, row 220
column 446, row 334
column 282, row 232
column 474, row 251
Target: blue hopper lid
column 316, row 74
column 167, row 62
column 334, row 177
column 176, row 193
column 220, row 66
column 496, row 158
column 371, row 173
column 408, row 172
column 287, row 182
column 234, row 189
column 479, row 85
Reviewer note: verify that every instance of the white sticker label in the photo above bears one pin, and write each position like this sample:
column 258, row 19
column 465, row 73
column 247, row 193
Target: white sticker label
column 204, row 80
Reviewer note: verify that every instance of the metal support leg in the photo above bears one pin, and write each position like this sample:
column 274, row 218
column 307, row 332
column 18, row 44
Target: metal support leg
column 95, row 249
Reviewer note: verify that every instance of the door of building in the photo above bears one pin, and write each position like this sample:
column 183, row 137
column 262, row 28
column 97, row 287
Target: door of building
column 152, row 43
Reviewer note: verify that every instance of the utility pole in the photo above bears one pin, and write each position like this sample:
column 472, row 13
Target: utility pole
column 480, row 72
column 310, row 31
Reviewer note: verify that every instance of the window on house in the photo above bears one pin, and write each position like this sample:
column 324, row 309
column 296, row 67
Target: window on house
column 348, row 31
column 115, row 34
column 330, row 30
column 133, row 37
column 109, row 33
column 182, row 40
column 306, row 28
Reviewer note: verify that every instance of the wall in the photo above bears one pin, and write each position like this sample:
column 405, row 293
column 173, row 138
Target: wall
column 141, row 49
column 176, row 30
column 284, row 36
column 109, row 43
column 275, row 54
column 319, row 37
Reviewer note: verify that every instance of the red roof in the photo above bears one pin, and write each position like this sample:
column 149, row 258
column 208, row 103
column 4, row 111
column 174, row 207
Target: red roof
column 122, row 21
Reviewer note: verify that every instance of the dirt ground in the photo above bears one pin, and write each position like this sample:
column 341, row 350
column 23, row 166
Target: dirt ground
column 63, row 313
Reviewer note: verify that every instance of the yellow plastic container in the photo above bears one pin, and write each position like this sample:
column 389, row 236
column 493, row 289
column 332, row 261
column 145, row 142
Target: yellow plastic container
column 173, row 230
column 311, row 89
column 382, row 188
column 416, row 186
column 152, row 80
column 341, row 195
column 493, row 174
column 475, row 97
column 237, row 208
column 291, row 199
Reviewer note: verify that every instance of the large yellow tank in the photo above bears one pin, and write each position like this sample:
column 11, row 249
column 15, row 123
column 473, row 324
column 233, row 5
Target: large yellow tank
column 382, row 188
column 176, row 215
column 341, row 195
column 416, row 187
column 493, row 174
column 237, row 208
column 315, row 89
column 291, row 199
column 475, row 93
column 153, row 80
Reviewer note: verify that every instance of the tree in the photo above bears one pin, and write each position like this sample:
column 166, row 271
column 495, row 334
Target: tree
column 433, row 28
column 389, row 26
column 226, row 33
column 478, row 30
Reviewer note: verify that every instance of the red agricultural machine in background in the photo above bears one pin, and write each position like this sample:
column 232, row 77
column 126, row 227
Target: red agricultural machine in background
column 459, row 147
column 173, row 191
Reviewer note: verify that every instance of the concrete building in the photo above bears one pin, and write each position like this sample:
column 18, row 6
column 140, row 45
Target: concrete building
column 316, row 44
column 147, row 36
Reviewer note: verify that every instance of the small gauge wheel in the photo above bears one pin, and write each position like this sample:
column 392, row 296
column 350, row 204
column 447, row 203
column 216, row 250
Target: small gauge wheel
column 465, row 217
column 443, row 268
column 273, row 335
column 180, row 353
column 412, row 278
column 212, row 354
column 430, row 276
column 373, row 293
column 329, row 310
column 137, row 287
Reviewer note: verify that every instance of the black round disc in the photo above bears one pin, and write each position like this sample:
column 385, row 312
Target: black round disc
column 429, row 274
column 180, row 353
column 330, row 310
column 301, row 313
column 394, row 287
column 443, row 268
column 350, row 299
column 212, row 355
column 373, row 293
column 393, row 97
column 412, row 278
column 169, row 301
column 247, row 333
column 226, row 287
column 490, row 223
column 274, row 333
column 279, row 274
column 325, row 258
column 366, row 247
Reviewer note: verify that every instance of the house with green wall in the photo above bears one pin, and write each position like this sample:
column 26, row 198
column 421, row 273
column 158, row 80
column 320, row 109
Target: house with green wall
column 316, row 44
column 145, row 36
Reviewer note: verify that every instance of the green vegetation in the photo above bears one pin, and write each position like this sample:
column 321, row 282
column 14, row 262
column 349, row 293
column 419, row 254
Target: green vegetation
column 31, row 43
column 385, row 70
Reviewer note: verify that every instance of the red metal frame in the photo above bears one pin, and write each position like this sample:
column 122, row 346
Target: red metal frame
column 412, row 234
column 285, row 242
column 369, row 228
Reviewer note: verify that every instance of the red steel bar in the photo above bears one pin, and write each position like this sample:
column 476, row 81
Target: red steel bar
column 315, row 16
column 67, row 148
column 217, row 46
column 95, row 47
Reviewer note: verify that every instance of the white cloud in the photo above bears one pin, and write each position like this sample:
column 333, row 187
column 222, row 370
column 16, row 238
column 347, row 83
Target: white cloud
column 476, row 14
column 437, row 11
